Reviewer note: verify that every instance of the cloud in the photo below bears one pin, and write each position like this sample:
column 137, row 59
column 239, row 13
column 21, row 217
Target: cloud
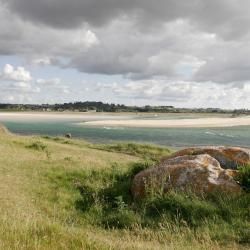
column 18, row 92
column 53, row 85
column 182, row 94
column 152, row 90
column 212, row 16
column 169, row 50
column 48, row 44
column 51, row 82
column 19, row 74
column 40, row 61
column 17, row 86
column 178, row 40
column 227, row 63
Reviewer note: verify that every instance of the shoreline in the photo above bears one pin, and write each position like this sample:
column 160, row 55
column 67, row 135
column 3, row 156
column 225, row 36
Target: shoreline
column 97, row 116
column 49, row 116
column 177, row 123
column 128, row 119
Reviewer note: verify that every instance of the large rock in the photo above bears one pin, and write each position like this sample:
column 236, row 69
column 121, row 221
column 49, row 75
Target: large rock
column 199, row 173
column 228, row 157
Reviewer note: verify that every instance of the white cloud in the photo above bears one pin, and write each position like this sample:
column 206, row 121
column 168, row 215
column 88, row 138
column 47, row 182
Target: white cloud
column 19, row 74
column 22, row 85
column 18, row 86
column 87, row 38
column 54, row 85
column 41, row 61
column 54, row 81
column 182, row 94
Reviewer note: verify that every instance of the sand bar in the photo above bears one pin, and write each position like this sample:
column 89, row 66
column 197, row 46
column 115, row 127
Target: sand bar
column 58, row 116
column 176, row 123
column 123, row 120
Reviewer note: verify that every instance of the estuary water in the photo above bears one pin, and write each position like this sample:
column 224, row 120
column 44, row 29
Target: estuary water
column 39, row 124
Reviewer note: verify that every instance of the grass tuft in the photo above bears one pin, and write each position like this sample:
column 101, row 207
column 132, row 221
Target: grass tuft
column 40, row 146
column 145, row 151
column 243, row 177
column 107, row 202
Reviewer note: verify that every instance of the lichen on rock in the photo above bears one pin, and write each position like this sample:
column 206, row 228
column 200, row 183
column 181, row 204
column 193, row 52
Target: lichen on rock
column 202, row 170
column 228, row 157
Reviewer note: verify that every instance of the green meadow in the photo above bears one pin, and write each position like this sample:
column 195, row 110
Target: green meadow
column 59, row 193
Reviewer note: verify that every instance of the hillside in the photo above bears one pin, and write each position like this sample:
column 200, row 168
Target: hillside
column 70, row 194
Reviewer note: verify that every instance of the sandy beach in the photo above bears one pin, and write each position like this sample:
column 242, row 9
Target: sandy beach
column 181, row 123
column 57, row 116
column 125, row 120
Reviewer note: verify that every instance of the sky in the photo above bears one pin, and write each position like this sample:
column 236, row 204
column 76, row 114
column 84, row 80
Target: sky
column 193, row 53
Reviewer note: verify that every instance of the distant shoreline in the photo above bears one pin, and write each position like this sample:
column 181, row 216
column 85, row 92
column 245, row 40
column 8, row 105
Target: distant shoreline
column 178, row 123
column 136, row 120
column 36, row 116
column 71, row 114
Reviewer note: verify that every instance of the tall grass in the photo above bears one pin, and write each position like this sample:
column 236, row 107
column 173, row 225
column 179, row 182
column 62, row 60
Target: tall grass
column 145, row 151
column 243, row 177
column 79, row 198
column 106, row 201
column 40, row 146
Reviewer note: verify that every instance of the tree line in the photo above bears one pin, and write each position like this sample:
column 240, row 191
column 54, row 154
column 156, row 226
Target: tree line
column 90, row 106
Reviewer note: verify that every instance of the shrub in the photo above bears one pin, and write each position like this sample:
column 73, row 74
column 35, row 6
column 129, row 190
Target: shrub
column 106, row 201
column 40, row 146
column 244, row 177
column 145, row 151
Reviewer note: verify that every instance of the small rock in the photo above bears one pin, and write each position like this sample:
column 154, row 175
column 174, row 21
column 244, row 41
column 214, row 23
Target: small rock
column 69, row 136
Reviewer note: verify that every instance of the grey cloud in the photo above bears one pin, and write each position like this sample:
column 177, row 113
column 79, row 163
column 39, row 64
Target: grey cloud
column 137, row 55
column 227, row 62
column 18, row 37
column 191, row 41
column 225, row 17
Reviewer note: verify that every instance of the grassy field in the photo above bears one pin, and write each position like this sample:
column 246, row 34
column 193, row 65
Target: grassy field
column 69, row 194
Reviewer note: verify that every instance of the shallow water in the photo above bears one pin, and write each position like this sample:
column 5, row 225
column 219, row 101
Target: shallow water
column 175, row 137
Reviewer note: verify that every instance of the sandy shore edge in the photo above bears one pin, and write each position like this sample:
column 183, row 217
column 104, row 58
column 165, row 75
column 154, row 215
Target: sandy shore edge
column 178, row 123
column 122, row 120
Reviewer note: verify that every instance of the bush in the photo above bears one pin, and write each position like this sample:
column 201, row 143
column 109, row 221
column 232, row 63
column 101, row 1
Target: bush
column 244, row 177
column 106, row 201
column 146, row 151
column 182, row 208
column 40, row 146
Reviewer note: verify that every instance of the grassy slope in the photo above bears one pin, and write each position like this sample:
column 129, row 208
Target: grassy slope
column 38, row 192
